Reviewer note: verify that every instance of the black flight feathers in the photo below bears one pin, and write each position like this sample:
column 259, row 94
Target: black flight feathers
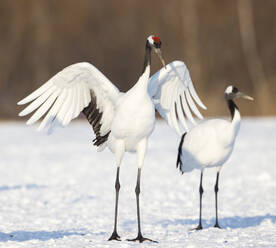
column 94, row 116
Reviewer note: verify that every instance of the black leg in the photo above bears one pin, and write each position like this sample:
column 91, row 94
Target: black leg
column 216, row 195
column 114, row 235
column 199, row 227
column 139, row 237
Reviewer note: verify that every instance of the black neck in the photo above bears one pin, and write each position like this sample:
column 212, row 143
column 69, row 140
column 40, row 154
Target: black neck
column 232, row 107
column 147, row 60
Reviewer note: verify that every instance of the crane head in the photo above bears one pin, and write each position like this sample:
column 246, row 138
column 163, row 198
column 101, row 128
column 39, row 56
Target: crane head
column 155, row 43
column 232, row 92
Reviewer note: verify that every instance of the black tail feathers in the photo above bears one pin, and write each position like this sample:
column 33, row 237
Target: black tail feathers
column 178, row 161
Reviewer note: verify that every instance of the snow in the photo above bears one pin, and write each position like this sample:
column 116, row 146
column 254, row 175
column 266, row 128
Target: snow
column 57, row 191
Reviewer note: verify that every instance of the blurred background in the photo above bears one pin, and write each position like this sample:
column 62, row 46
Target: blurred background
column 221, row 42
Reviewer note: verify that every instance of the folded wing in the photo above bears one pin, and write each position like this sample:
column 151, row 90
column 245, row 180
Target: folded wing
column 174, row 96
column 78, row 87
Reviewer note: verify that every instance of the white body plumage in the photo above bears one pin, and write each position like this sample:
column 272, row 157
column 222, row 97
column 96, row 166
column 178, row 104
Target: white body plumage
column 209, row 144
column 138, row 117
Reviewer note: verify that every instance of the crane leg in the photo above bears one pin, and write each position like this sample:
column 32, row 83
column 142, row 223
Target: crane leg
column 139, row 237
column 114, row 235
column 199, row 227
column 216, row 198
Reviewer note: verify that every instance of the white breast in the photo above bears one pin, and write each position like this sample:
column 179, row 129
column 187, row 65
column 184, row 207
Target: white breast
column 134, row 120
column 135, row 115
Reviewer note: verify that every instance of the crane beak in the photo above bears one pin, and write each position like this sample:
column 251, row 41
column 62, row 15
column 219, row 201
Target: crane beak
column 244, row 96
column 159, row 53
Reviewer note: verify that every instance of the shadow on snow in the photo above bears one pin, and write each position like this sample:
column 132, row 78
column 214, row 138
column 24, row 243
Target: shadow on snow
column 227, row 222
column 22, row 236
column 26, row 186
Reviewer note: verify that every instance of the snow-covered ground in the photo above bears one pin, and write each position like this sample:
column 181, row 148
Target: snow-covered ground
column 57, row 191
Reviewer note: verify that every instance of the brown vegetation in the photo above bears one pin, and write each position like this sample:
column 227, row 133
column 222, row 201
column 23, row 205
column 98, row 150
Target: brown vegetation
column 221, row 42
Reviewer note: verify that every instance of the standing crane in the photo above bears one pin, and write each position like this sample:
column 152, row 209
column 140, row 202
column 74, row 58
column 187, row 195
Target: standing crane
column 122, row 122
column 210, row 144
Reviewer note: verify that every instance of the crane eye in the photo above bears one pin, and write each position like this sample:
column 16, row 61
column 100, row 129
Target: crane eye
column 235, row 90
column 157, row 44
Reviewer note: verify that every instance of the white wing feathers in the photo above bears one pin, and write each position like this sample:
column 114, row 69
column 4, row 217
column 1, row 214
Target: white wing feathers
column 67, row 93
column 174, row 96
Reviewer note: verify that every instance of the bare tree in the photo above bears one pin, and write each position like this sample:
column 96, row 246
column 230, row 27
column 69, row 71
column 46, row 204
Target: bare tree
column 190, row 26
column 254, row 63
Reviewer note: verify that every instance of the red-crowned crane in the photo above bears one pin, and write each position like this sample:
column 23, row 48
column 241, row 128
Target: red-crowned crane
column 121, row 121
column 210, row 144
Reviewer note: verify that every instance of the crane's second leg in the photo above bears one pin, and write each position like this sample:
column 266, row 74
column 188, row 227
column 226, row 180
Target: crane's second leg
column 114, row 235
column 139, row 237
column 141, row 150
column 216, row 198
column 199, row 227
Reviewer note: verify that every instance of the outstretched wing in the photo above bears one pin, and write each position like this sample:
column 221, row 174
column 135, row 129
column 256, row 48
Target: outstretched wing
column 78, row 87
column 174, row 96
